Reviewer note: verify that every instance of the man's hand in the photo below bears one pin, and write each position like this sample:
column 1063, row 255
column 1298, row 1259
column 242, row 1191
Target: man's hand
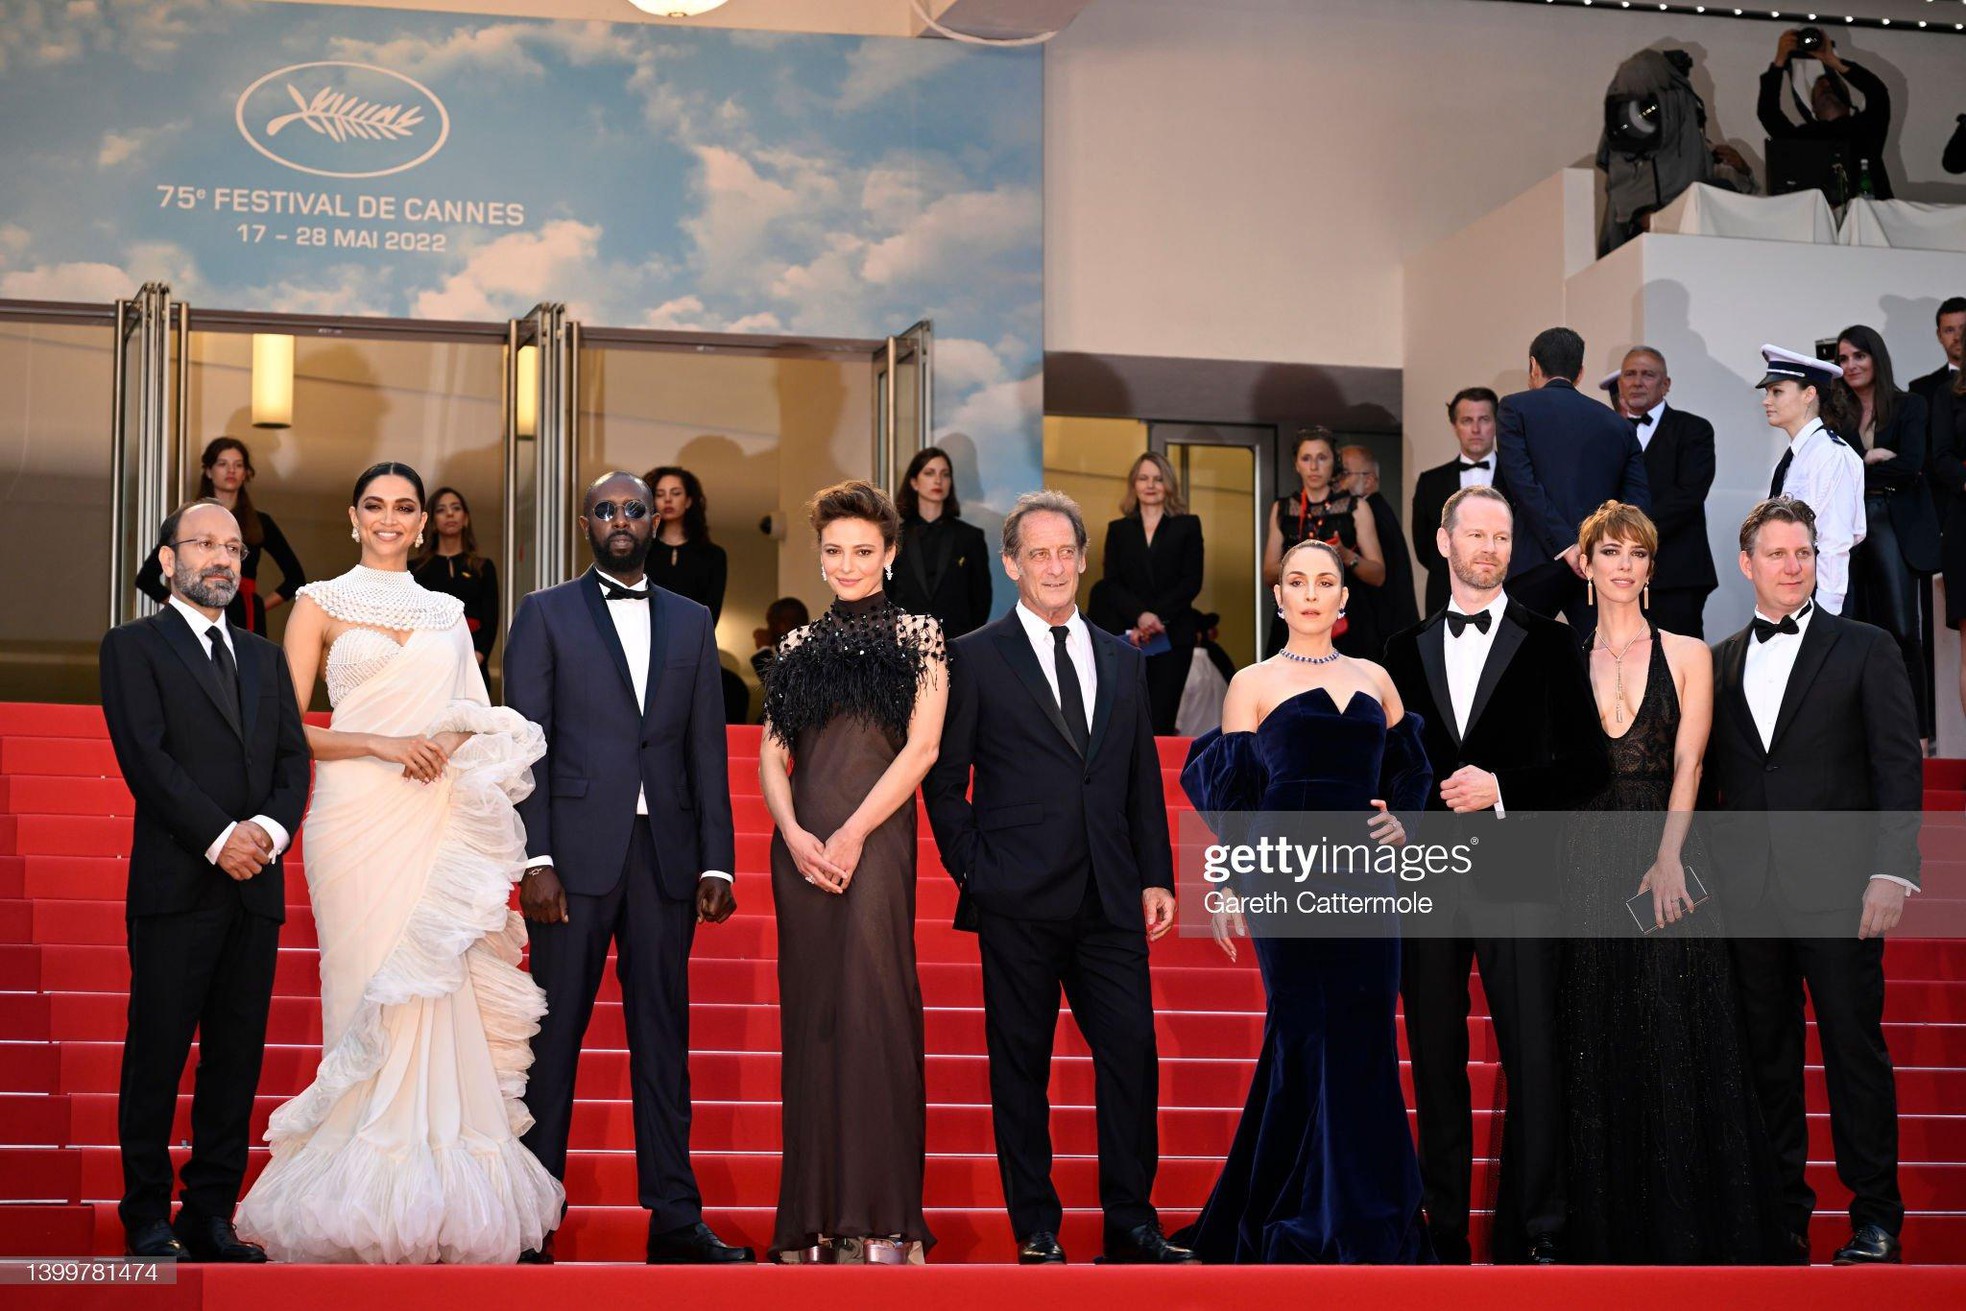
column 246, row 852
column 1469, row 789
column 1831, row 60
column 1732, row 158
column 1884, row 906
column 1784, row 49
column 715, row 902
column 541, row 898
column 1159, row 905
column 1574, row 557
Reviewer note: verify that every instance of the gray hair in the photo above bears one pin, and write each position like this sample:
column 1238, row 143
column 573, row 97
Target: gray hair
column 1371, row 460
column 1653, row 351
column 1039, row 502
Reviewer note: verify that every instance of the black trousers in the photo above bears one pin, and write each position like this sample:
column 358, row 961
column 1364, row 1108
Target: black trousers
column 1845, row 978
column 1519, row 976
column 1552, row 590
column 207, row 971
column 1884, row 591
column 1167, row 678
column 1103, row 970
column 651, row 936
column 1680, row 610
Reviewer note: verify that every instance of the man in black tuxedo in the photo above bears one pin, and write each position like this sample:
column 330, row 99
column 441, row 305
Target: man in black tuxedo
column 1563, row 455
column 1936, row 387
column 1945, row 473
column 1472, row 415
column 1510, row 723
column 208, row 734
column 1814, row 767
column 629, row 843
column 1061, row 850
column 1678, row 472
column 1378, row 612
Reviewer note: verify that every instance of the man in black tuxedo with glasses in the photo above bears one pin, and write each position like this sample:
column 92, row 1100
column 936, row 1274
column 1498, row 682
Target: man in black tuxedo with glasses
column 208, row 734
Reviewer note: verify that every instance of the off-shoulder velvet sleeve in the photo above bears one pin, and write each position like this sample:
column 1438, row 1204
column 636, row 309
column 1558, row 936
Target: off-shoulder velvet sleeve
column 1405, row 774
column 1224, row 776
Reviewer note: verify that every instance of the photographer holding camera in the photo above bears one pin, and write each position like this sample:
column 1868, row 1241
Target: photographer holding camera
column 1830, row 115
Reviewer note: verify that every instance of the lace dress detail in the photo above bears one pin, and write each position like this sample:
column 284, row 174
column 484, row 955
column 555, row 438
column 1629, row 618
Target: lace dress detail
column 382, row 598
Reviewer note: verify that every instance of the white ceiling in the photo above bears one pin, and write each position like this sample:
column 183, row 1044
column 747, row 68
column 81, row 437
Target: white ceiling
column 995, row 18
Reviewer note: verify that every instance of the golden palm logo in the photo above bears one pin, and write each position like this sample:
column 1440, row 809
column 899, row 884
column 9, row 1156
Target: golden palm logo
column 361, row 121
column 341, row 117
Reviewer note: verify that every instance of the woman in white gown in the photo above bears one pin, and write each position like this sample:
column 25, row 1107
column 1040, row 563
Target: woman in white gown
column 405, row 1148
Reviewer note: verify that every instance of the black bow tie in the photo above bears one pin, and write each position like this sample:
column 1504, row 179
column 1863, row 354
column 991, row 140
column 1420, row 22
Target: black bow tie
column 1641, row 420
column 1474, row 464
column 611, row 591
column 1763, row 630
column 1457, row 623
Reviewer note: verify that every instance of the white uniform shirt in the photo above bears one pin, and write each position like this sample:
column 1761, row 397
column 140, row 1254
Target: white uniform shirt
column 1829, row 476
column 1078, row 645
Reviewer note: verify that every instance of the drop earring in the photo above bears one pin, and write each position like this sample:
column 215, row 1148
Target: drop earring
column 1590, row 592
column 822, row 574
column 354, row 534
column 889, row 571
column 1645, row 597
column 418, row 541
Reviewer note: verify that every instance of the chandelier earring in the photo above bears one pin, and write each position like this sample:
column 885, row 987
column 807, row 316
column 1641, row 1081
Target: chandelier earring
column 418, row 541
column 889, row 571
column 822, row 575
column 354, row 534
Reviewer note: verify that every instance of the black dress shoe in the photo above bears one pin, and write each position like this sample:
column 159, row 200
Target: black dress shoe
column 208, row 1239
column 541, row 1255
column 1794, row 1250
column 1542, row 1250
column 1870, row 1245
column 1145, row 1245
column 695, row 1245
column 1451, row 1246
column 152, row 1238
column 1040, row 1248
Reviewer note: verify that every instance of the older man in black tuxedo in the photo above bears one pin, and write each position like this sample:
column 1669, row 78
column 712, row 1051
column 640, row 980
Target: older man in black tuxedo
column 1510, row 724
column 629, row 843
column 1047, row 808
column 1679, row 464
column 208, row 734
column 1814, row 766
column 1563, row 455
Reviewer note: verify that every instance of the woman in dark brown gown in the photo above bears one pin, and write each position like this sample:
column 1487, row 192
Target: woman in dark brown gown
column 853, row 713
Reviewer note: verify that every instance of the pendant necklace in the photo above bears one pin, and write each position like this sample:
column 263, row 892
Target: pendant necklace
column 1618, row 664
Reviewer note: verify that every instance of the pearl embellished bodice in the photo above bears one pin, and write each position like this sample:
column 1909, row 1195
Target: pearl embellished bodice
column 380, row 602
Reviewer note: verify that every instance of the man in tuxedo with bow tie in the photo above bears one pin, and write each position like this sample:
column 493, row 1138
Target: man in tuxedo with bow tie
column 1510, row 724
column 629, row 843
column 1472, row 415
column 1047, row 808
column 1814, row 771
column 208, row 734
column 1679, row 464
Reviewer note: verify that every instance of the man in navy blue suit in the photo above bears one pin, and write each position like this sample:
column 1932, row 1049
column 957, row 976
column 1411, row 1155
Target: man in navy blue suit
column 629, row 843
column 1563, row 455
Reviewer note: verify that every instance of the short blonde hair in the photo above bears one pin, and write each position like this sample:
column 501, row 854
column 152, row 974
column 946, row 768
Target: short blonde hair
column 1618, row 522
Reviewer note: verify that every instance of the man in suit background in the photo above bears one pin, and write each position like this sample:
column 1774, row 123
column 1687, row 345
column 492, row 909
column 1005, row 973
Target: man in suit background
column 1472, row 415
column 1510, row 724
column 208, row 734
column 1378, row 612
column 1679, row 464
column 629, row 843
column 1048, row 813
column 1945, row 473
column 1563, row 455
column 1814, row 765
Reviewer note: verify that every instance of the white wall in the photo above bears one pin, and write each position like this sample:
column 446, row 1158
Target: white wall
column 1243, row 179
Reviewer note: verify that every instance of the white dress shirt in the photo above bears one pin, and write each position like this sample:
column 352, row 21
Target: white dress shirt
column 1829, row 476
column 1078, row 645
column 1648, row 425
column 1467, row 656
column 1478, row 477
column 1765, row 680
column 199, row 627
column 631, row 621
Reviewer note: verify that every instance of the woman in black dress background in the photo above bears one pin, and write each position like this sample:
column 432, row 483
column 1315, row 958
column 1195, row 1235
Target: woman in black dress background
column 1666, row 1160
column 943, row 566
column 227, row 468
column 684, row 559
column 1319, row 511
column 853, row 719
column 1153, row 573
column 453, row 566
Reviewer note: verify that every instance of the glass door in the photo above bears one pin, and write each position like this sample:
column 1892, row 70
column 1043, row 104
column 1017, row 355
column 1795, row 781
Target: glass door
column 1224, row 472
column 904, row 401
column 150, row 364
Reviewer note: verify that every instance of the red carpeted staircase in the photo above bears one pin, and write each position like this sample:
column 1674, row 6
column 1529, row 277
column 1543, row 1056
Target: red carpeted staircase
column 63, row 835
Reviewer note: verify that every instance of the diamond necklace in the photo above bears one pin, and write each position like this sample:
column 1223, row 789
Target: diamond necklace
column 1288, row 654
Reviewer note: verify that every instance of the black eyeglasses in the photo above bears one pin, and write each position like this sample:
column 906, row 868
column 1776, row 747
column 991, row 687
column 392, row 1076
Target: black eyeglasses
column 233, row 550
column 604, row 511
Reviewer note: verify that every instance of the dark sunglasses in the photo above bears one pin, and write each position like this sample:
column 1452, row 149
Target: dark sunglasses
column 604, row 511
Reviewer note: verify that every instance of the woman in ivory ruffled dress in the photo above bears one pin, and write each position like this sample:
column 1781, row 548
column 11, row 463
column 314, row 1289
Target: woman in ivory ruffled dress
column 405, row 1148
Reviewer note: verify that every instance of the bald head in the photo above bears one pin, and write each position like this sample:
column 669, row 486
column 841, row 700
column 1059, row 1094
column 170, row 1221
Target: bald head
column 200, row 549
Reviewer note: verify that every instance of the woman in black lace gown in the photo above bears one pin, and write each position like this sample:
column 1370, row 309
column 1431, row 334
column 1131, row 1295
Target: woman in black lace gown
column 853, row 716
column 1318, row 511
column 1666, row 1162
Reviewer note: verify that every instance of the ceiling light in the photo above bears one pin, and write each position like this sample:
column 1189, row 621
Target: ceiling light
column 676, row 8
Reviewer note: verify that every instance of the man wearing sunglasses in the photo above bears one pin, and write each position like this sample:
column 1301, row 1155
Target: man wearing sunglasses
column 629, row 843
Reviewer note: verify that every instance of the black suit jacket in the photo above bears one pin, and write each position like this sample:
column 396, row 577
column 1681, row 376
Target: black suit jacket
column 1018, row 814
column 1902, row 477
column 1164, row 578
column 196, row 764
column 1376, row 613
column 1945, row 451
column 565, row 671
column 958, row 596
column 1533, row 725
column 1845, row 740
column 1678, row 473
column 1564, row 455
column 1430, row 492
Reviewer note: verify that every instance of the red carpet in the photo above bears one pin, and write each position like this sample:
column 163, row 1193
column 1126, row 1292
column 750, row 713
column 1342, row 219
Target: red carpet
column 63, row 833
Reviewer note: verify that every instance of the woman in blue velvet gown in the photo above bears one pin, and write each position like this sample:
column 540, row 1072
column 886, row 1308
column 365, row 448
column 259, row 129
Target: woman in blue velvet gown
column 1322, row 1169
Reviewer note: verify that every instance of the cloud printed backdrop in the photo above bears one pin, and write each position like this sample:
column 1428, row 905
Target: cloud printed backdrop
column 646, row 176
